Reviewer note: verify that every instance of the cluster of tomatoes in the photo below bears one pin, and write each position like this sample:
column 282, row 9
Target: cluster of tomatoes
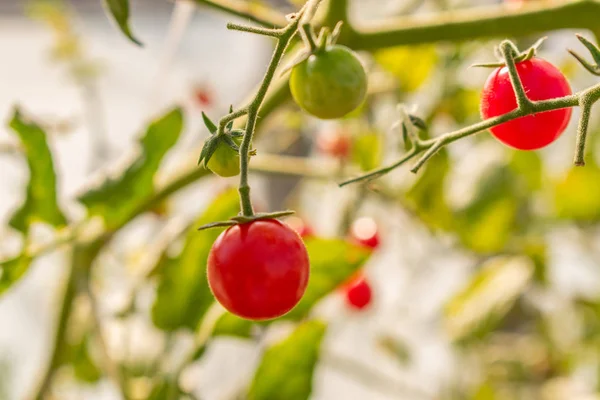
column 259, row 270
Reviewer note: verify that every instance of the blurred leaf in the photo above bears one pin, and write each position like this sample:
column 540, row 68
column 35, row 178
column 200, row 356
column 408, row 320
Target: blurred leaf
column 12, row 270
column 427, row 196
column 286, row 370
column 183, row 295
column 487, row 297
column 83, row 365
column 577, row 194
column 117, row 198
column 462, row 104
column 332, row 262
column 396, row 348
column 119, row 9
column 485, row 392
column 528, row 166
column 41, row 200
column 412, row 65
column 231, row 325
column 367, row 151
column 488, row 222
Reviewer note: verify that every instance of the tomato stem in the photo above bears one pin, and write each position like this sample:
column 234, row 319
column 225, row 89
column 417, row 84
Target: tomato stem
column 509, row 52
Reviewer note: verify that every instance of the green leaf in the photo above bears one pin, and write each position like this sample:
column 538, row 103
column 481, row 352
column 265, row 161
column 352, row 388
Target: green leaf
column 286, row 370
column 116, row 199
column 528, row 166
column 577, row 194
column 427, row 196
column 412, row 65
column 119, row 9
column 12, row 270
column 367, row 151
column 332, row 262
column 41, row 202
column 488, row 222
column 487, row 297
column 183, row 295
column 231, row 325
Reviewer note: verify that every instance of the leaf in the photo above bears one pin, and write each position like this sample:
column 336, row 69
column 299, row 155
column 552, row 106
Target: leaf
column 488, row 296
column 116, row 199
column 286, row 370
column 332, row 262
column 577, row 194
column 488, row 222
column 529, row 167
column 427, row 196
column 231, row 325
column 41, row 202
column 12, row 270
column 119, row 9
column 183, row 295
column 367, row 151
column 412, row 65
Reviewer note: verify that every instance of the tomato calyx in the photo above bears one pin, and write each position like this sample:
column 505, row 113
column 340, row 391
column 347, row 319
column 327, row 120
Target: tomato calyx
column 244, row 219
column 213, row 142
column 594, row 51
column 314, row 44
column 518, row 56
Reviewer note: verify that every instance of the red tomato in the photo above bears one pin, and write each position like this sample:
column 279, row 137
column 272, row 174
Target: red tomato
column 258, row 270
column 542, row 81
column 203, row 96
column 358, row 293
column 298, row 224
column 364, row 231
column 335, row 143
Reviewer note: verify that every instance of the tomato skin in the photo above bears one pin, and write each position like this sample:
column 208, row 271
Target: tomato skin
column 335, row 143
column 542, row 81
column 258, row 270
column 225, row 161
column 365, row 232
column 330, row 83
column 358, row 293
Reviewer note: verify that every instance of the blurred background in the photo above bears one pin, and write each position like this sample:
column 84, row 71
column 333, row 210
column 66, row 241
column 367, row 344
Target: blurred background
column 483, row 268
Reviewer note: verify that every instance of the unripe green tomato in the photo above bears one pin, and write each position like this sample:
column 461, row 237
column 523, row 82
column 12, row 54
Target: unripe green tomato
column 330, row 83
column 225, row 161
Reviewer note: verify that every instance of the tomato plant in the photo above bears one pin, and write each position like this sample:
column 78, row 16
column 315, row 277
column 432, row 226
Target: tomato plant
column 258, row 270
column 330, row 83
column 542, row 81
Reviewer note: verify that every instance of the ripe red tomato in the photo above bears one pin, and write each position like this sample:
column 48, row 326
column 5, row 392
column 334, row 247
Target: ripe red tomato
column 258, row 270
column 335, row 143
column 358, row 292
column 300, row 226
column 364, row 231
column 542, row 81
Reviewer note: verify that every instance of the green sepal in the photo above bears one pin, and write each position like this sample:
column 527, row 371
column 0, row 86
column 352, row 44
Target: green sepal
column 208, row 149
column 230, row 124
column 229, row 141
column 212, row 128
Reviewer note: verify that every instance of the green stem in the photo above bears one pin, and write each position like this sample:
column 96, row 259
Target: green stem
column 509, row 53
column 431, row 146
column 81, row 260
column 253, row 109
column 482, row 22
column 261, row 15
column 582, row 130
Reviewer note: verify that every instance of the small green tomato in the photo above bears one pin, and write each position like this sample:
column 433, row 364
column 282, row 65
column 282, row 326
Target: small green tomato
column 330, row 83
column 225, row 161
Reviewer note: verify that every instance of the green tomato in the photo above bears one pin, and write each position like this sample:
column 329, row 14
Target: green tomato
column 330, row 83
column 225, row 161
